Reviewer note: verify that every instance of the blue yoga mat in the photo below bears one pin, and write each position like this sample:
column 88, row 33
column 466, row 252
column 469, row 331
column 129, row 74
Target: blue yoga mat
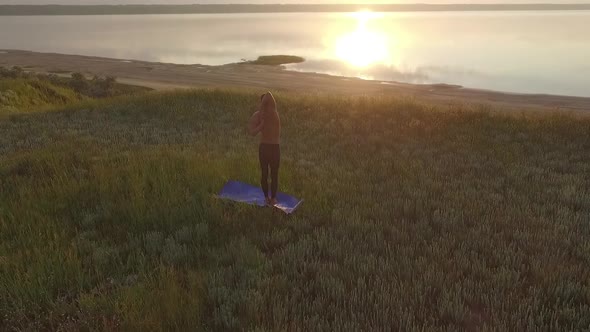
column 245, row 193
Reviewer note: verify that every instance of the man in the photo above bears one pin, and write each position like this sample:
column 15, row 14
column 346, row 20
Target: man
column 267, row 122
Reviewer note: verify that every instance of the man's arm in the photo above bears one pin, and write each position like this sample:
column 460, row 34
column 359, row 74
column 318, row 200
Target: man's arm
column 255, row 124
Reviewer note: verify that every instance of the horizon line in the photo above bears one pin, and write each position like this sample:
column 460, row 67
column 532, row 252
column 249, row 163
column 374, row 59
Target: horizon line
column 315, row 4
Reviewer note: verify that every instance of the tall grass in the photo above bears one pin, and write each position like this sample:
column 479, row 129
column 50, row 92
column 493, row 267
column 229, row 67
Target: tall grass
column 22, row 91
column 417, row 217
column 18, row 95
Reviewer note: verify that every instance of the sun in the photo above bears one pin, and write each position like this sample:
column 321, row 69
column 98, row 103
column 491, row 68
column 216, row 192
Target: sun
column 364, row 46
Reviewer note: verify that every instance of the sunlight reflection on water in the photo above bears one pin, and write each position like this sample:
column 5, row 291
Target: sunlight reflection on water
column 543, row 52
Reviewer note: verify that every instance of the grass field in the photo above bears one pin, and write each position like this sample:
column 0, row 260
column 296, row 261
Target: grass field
column 22, row 91
column 417, row 217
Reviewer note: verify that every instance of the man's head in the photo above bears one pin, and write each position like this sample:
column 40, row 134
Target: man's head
column 267, row 102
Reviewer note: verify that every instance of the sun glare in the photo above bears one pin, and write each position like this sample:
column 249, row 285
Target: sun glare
column 364, row 46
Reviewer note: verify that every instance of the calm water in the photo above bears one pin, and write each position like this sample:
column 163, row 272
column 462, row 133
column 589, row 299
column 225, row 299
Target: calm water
column 540, row 52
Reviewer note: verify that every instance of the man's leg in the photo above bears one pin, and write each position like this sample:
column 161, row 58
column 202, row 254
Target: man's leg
column 264, row 163
column 275, row 162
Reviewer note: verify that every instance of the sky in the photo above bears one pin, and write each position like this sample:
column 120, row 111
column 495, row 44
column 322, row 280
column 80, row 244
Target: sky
column 170, row 2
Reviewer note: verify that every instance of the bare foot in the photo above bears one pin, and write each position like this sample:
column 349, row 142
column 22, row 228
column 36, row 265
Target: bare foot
column 268, row 201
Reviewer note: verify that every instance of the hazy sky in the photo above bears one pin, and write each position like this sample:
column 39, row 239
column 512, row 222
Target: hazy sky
column 85, row 2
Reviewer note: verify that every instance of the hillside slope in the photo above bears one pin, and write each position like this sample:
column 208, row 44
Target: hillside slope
column 417, row 217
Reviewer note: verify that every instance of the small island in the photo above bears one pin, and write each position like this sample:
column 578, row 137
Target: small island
column 275, row 60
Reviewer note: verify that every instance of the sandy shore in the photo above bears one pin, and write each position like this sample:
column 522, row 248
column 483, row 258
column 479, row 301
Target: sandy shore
column 165, row 76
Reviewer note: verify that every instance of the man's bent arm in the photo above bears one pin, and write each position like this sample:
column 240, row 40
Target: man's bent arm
column 256, row 124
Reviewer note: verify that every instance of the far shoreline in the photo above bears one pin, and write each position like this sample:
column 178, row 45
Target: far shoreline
column 169, row 76
column 30, row 10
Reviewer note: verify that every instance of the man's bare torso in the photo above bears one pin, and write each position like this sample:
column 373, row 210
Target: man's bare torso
column 271, row 127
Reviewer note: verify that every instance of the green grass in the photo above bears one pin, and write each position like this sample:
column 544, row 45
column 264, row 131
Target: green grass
column 417, row 217
column 25, row 94
column 275, row 60
column 31, row 93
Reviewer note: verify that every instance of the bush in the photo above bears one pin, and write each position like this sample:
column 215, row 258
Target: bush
column 79, row 83
column 14, row 72
column 102, row 87
column 78, row 77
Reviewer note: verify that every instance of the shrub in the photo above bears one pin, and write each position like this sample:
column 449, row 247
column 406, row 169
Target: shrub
column 79, row 83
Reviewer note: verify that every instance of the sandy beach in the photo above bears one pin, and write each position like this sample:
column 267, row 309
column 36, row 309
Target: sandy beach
column 167, row 76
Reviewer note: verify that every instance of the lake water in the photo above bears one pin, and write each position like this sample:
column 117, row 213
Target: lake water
column 531, row 52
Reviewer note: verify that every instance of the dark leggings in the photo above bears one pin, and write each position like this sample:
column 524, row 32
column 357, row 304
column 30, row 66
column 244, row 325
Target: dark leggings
column 270, row 157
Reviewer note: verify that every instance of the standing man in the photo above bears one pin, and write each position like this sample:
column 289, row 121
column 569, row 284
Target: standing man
column 266, row 121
